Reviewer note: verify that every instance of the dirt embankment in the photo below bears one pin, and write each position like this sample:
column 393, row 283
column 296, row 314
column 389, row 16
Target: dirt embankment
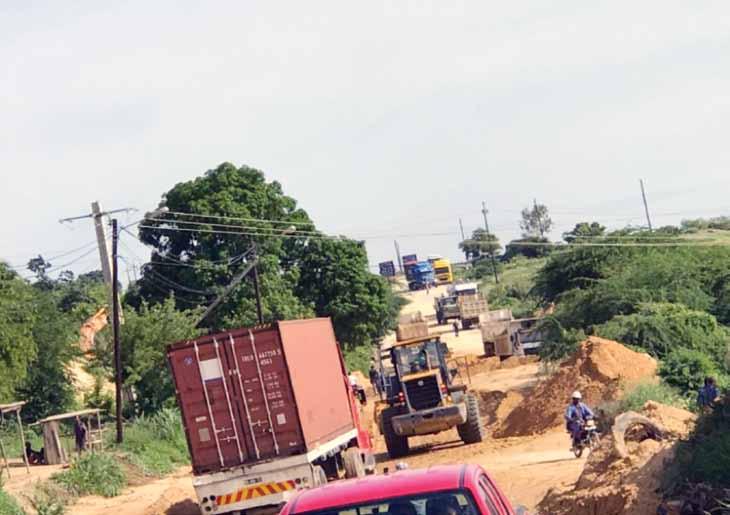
column 611, row 485
column 599, row 369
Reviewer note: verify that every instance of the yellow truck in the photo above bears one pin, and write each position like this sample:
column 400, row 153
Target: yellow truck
column 443, row 271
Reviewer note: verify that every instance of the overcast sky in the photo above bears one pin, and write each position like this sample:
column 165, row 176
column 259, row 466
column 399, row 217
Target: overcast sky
column 383, row 119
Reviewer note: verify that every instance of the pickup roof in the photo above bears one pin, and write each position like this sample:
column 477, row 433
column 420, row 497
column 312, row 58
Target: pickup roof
column 440, row 490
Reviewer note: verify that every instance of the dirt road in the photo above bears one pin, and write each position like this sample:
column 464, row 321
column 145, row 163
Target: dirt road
column 526, row 468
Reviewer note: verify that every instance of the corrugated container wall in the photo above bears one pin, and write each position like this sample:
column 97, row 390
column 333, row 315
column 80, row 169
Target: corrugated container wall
column 249, row 395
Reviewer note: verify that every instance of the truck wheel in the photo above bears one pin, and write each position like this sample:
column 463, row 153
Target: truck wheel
column 397, row 445
column 354, row 465
column 320, row 477
column 471, row 431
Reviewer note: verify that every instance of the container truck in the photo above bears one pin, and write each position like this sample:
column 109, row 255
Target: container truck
column 267, row 411
column 409, row 262
column 421, row 276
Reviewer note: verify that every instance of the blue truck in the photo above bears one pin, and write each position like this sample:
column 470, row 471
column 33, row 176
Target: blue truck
column 421, row 275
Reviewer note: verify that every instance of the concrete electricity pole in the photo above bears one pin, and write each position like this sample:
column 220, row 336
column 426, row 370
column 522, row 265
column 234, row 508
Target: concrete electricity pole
column 491, row 254
column 646, row 206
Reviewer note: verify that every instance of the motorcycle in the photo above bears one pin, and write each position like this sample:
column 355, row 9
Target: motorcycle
column 589, row 438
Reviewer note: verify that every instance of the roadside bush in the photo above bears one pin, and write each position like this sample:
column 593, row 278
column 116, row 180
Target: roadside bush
column 8, row 505
column 705, row 457
column 659, row 328
column 156, row 444
column 559, row 342
column 93, row 473
column 634, row 398
column 687, row 369
column 358, row 358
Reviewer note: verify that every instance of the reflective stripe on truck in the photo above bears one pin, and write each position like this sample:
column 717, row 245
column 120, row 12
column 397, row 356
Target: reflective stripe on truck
column 254, row 491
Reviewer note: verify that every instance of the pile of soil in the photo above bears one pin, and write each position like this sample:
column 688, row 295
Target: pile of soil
column 610, row 485
column 482, row 364
column 598, row 369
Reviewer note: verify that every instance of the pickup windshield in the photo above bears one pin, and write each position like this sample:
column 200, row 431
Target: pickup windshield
column 457, row 502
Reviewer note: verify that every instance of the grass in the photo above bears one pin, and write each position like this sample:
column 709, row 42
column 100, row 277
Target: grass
column 156, row 445
column 11, row 439
column 8, row 505
column 515, row 284
column 93, row 474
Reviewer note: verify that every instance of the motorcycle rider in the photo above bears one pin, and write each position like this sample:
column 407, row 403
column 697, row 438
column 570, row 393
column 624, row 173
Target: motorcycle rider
column 577, row 414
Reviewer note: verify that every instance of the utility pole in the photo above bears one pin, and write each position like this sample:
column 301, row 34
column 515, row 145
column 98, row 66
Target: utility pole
column 115, row 328
column 491, row 254
column 461, row 226
column 646, row 206
column 397, row 253
column 98, row 215
column 259, row 311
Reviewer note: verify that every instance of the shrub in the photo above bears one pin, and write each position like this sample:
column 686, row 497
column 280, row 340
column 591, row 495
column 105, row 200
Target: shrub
column 687, row 369
column 558, row 342
column 156, row 444
column 9, row 506
column 93, row 473
column 705, row 457
column 634, row 398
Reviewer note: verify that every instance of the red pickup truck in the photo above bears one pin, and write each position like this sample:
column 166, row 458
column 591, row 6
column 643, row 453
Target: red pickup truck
column 441, row 490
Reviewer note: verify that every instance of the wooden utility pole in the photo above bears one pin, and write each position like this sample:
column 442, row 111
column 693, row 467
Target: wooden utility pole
column 397, row 253
column 259, row 311
column 491, row 254
column 646, row 206
column 115, row 328
column 461, row 227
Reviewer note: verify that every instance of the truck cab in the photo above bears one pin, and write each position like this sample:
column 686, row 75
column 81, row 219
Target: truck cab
column 423, row 397
column 443, row 272
column 421, row 276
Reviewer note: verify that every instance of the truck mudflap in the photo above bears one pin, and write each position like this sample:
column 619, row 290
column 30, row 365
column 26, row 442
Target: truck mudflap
column 429, row 421
column 241, row 490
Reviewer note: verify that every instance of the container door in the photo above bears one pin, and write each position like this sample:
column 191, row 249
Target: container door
column 208, row 407
column 266, row 405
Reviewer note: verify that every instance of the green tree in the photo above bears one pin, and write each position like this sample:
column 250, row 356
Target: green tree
column 584, row 231
column 17, row 318
column 481, row 244
column 196, row 256
column 536, row 221
column 334, row 279
column 144, row 337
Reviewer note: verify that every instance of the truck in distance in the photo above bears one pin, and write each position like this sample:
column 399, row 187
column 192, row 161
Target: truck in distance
column 421, row 276
column 443, row 271
column 267, row 411
column 423, row 397
column 464, row 302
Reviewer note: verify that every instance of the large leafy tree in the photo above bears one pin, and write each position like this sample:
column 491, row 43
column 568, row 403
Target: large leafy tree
column 201, row 237
column 584, row 231
column 17, row 317
column 198, row 253
column 334, row 278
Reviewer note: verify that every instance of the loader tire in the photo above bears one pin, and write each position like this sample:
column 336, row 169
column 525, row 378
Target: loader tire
column 397, row 445
column 471, row 431
column 354, row 464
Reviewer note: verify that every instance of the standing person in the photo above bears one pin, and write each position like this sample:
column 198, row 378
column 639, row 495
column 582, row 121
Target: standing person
column 708, row 394
column 81, row 434
column 456, row 328
column 375, row 379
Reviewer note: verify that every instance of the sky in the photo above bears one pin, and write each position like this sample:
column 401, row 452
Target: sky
column 385, row 120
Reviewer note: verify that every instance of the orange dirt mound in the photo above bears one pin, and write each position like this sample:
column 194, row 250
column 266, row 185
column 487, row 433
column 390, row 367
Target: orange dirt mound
column 610, row 485
column 598, row 369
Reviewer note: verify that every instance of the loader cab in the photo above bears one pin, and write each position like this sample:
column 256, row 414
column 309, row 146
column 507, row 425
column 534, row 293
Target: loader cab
column 418, row 364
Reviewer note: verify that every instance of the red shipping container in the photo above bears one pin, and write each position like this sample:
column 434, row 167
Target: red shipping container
column 249, row 395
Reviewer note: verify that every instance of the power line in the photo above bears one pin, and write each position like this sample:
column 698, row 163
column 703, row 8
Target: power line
column 231, row 226
column 243, row 219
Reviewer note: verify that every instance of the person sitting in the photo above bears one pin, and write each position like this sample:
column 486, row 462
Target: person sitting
column 576, row 416
column 34, row 457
